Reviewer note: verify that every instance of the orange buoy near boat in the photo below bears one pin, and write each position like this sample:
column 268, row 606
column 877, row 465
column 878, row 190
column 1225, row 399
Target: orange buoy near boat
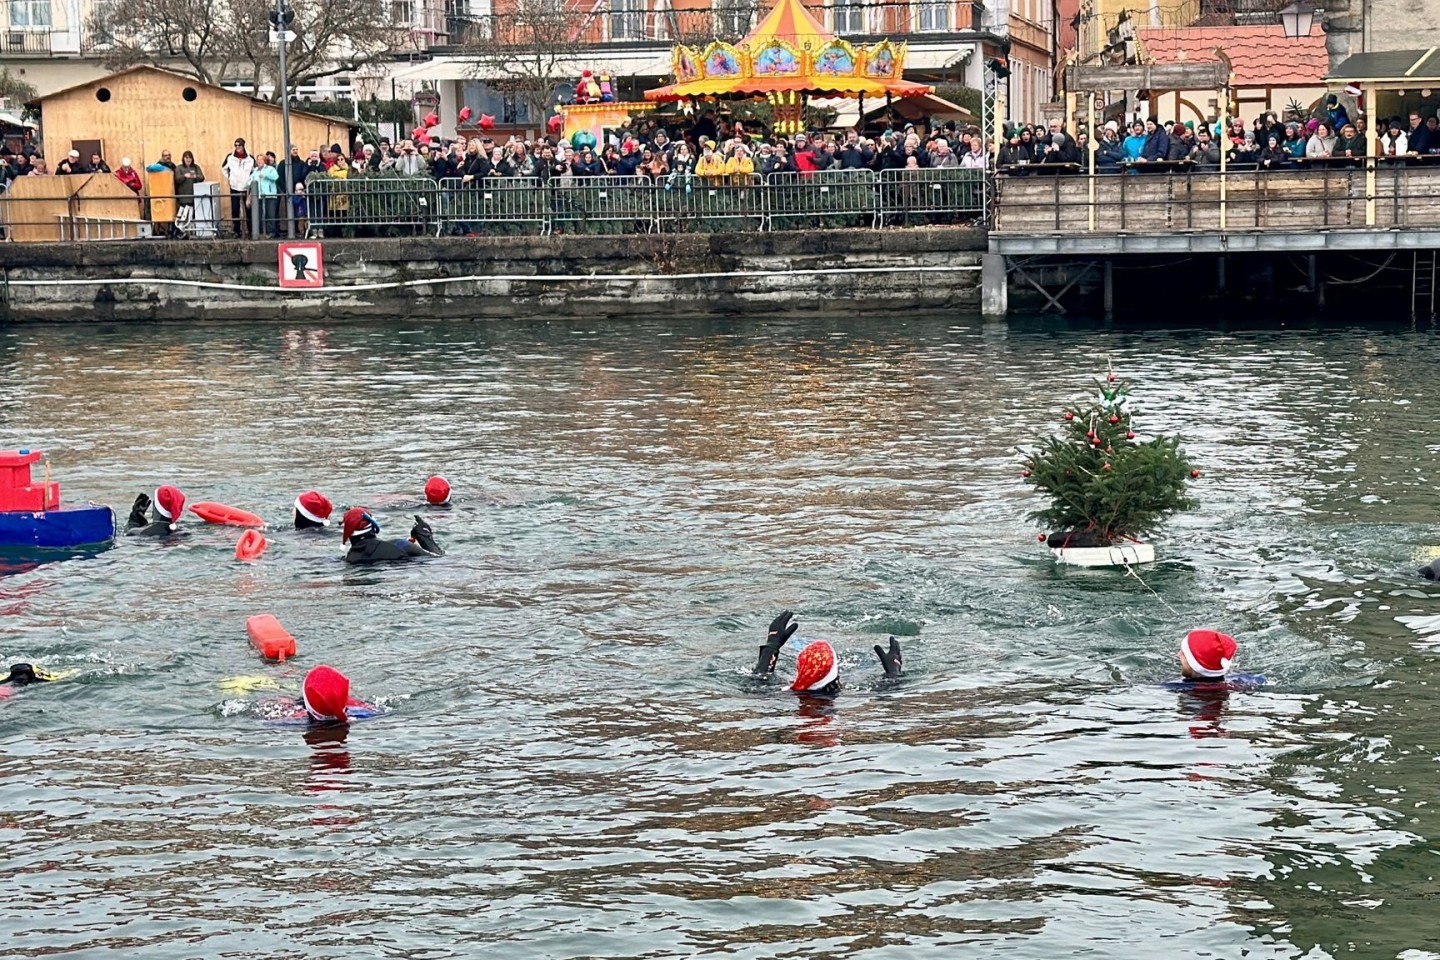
column 220, row 513
column 272, row 640
column 252, row 544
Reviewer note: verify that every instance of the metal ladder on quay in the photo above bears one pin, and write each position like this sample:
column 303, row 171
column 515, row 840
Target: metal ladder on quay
column 1424, row 272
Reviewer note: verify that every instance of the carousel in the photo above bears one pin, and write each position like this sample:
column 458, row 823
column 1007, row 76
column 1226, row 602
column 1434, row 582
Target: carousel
column 788, row 60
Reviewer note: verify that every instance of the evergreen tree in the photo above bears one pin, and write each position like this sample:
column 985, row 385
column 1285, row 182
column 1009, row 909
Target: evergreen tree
column 1104, row 484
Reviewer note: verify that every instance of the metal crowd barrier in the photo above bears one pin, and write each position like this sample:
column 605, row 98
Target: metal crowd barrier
column 396, row 206
column 602, row 205
column 493, row 205
column 825, row 198
column 730, row 204
column 380, row 205
column 910, row 198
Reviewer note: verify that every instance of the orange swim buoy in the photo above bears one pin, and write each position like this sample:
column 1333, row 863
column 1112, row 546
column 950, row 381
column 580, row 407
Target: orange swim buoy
column 220, row 513
column 272, row 640
column 252, row 544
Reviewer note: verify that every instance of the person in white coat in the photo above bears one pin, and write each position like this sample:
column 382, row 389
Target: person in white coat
column 238, row 168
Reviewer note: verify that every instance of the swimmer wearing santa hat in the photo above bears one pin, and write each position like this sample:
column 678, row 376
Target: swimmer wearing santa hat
column 1208, row 656
column 164, row 520
column 312, row 511
column 326, row 698
column 362, row 532
column 817, row 670
column 437, row 492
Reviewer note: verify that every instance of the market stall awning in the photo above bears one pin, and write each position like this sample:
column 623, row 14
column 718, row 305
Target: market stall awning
column 789, row 52
column 1393, row 67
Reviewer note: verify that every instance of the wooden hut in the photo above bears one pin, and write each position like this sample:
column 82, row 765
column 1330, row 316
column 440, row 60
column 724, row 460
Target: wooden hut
column 141, row 111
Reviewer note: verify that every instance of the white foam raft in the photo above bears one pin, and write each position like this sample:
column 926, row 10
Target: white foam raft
column 1116, row 555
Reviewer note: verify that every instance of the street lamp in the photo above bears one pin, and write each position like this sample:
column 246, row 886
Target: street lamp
column 1298, row 18
column 280, row 20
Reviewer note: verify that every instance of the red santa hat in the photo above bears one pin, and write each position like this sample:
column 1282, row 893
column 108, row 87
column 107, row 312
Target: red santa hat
column 314, row 506
column 169, row 504
column 1208, row 653
column 816, row 667
column 327, row 690
column 437, row 491
column 358, row 520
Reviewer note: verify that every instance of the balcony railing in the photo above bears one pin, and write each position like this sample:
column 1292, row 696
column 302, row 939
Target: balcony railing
column 25, row 41
column 616, row 23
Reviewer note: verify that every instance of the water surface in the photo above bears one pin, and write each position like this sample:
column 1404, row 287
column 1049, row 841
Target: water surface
column 576, row 764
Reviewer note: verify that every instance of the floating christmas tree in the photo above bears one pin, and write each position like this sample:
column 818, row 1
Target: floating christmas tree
column 1105, row 485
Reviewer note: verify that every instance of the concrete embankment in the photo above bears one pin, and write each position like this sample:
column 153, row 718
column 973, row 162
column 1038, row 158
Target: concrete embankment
column 838, row 272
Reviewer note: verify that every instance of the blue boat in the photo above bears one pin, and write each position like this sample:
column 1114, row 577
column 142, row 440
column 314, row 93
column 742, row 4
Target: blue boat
column 31, row 516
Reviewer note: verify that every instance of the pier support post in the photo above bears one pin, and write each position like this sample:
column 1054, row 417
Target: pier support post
column 1109, row 289
column 994, row 286
column 1316, row 286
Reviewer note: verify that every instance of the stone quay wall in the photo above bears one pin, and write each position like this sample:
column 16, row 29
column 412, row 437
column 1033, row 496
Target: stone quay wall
column 838, row 272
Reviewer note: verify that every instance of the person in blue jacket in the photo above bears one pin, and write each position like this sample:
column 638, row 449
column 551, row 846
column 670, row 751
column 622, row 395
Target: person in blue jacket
column 1109, row 151
column 1135, row 143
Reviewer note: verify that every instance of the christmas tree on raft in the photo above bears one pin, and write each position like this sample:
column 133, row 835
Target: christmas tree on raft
column 1107, row 488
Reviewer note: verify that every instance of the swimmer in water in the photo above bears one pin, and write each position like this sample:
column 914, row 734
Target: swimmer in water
column 22, row 675
column 312, row 511
column 817, row 670
column 1207, row 656
column 437, row 492
column 168, row 505
column 362, row 532
column 326, row 698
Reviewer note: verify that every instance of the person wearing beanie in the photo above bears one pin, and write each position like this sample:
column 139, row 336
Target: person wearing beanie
column 164, row 519
column 362, row 532
column 817, row 669
column 437, row 491
column 312, row 511
column 1208, row 656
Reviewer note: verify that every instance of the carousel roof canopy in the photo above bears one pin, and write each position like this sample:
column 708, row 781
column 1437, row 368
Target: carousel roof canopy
column 788, row 51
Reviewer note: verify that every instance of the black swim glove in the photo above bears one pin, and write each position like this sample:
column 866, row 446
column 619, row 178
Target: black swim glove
column 891, row 659
column 423, row 535
column 138, row 511
column 781, row 629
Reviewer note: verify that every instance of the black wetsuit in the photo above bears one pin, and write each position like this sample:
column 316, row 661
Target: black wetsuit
column 369, row 548
column 781, row 629
column 141, row 526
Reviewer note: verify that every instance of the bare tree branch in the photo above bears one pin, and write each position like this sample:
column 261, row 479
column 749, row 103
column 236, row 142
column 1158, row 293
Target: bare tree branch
column 228, row 40
column 530, row 49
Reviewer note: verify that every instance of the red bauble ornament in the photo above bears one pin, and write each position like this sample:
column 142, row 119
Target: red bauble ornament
column 1025, row 473
column 1109, row 450
column 1042, row 538
column 1114, row 419
column 1069, row 415
column 1106, row 467
column 1194, row 474
column 1129, row 434
column 1111, row 378
column 1096, row 441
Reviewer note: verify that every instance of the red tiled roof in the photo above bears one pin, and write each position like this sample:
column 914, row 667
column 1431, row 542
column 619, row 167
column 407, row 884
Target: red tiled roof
column 1262, row 55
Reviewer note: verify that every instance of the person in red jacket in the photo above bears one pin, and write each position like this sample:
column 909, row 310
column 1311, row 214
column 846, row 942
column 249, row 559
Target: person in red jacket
column 128, row 175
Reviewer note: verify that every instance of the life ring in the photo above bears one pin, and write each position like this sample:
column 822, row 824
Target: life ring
column 220, row 513
column 272, row 640
column 252, row 544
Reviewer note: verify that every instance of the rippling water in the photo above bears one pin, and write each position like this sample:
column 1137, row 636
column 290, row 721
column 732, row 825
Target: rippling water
column 576, row 764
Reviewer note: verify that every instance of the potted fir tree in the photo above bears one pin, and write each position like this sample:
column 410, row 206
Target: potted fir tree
column 1106, row 487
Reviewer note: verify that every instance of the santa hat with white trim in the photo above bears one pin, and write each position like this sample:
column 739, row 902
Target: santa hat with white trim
column 326, row 692
column 817, row 667
column 169, row 504
column 314, row 506
column 1208, row 653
